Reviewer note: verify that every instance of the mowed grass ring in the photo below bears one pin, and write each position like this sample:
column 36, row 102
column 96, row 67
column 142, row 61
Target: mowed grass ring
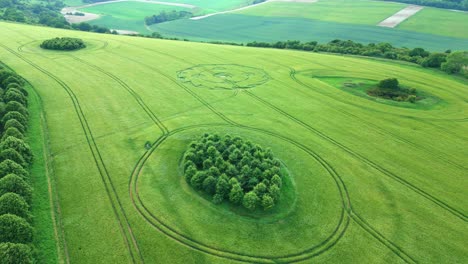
column 309, row 217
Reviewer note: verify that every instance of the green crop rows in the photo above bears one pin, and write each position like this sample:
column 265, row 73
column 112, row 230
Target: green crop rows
column 373, row 182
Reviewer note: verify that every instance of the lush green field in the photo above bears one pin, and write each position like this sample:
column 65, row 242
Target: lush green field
column 438, row 21
column 244, row 28
column 127, row 15
column 374, row 182
column 343, row 11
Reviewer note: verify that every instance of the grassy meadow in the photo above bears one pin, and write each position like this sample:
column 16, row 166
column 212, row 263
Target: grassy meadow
column 127, row 15
column 438, row 21
column 374, row 182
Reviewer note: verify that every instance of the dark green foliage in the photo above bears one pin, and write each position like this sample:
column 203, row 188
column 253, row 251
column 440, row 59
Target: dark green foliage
column 12, row 253
column 227, row 168
column 13, row 123
column 15, row 229
column 18, row 107
column 13, row 155
column 267, row 201
column 390, row 89
column 457, row 62
column 12, row 132
column 63, row 44
column 15, row 184
column 12, row 79
column 15, row 115
column 391, row 83
column 16, row 87
column 12, row 203
column 166, row 16
column 19, row 145
column 250, row 200
column 435, row 60
column 381, row 50
column 11, row 167
column 14, row 95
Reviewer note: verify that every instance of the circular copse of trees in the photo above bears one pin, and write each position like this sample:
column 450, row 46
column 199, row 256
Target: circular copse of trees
column 63, row 44
column 232, row 169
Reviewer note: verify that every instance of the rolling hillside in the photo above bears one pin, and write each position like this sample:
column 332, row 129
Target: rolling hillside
column 373, row 180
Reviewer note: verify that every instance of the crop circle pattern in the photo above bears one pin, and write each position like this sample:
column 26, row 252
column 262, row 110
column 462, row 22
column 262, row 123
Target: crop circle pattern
column 223, row 76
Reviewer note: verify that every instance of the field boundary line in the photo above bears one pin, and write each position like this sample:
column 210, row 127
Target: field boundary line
column 94, row 151
column 386, row 172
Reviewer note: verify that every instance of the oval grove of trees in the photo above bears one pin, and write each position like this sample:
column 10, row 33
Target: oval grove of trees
column 234, row 170
column 16, row 229
column 63, row 44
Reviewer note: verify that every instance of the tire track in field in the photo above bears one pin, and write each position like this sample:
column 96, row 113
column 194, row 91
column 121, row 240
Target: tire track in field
column 208, row 249
column 132, row 92
column 120, row 215
column 307, row 254
column 385, row 131
column 365, row 160
column 399, row 252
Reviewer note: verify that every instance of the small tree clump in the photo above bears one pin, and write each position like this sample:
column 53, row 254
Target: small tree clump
column 12, row 203
column 13, row 183
column 390, row 89
column 12, row 253
column 15, row 229
column 63, row 44
column 234, row 170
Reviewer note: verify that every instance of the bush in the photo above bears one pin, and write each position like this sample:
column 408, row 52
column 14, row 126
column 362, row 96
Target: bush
column 11, row 253
column 14, row 106
column 16, row 87
column 12, row 132
column 13, row 183
column 11, row 167
column 16, row 116
column 13, row 155
column 15, row 95
column 15, row 229
column 227, row 168
column 13, row 123
column 12, row 79
column 12, row 203
column 391, row 83
column 63, row 44
column 19, row 145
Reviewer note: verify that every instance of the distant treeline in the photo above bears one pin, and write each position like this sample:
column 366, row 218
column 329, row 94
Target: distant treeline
column 456, row 62
column 166, row 16
column 43, row 13
column 449, row 4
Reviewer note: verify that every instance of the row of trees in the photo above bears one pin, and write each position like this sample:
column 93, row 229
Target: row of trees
column 450, row 62
column 231, row 169
column 16, row 231
column 449, row 4
column 164, row 16
column 63, row 44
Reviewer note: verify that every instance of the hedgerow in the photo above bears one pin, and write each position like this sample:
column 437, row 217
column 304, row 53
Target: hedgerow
column 16, row 231
column 234, row 170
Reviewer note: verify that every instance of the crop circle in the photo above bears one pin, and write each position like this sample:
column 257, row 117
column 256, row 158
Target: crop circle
column 315, row 220
column 223, row 76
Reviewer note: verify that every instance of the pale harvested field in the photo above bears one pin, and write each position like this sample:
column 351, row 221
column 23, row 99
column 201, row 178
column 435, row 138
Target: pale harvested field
column 400, row 16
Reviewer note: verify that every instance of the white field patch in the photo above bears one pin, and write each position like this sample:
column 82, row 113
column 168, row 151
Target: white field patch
column 92, row 16
column 400, row 16
column 250, row 6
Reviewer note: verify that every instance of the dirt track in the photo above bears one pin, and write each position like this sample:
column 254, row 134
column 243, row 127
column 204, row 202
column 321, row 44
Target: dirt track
column 400, row 16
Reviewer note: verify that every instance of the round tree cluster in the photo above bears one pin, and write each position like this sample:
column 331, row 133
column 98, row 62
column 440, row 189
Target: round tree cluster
column 232, row 169
column 63, row 44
